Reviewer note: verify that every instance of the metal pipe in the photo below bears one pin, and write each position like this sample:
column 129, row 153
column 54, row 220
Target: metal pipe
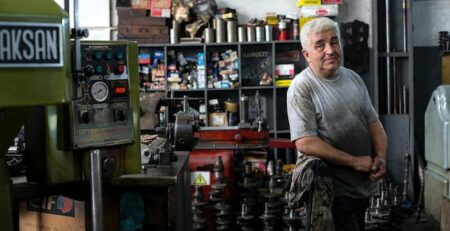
column 394, row 87
column 113, row 19
column 388, row 61
column 405, row 107
column 405, row 49
column 96, row 190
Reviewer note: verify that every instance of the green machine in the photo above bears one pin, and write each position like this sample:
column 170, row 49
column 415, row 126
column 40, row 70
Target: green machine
column 81, row 120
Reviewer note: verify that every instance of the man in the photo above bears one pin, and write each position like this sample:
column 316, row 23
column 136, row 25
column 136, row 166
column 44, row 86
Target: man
column 331, row 117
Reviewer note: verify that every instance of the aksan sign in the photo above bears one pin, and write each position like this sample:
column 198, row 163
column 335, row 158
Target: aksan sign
column 24, row 44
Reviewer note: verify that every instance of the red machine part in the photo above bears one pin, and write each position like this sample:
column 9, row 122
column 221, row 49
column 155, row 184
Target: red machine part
column 204, row 160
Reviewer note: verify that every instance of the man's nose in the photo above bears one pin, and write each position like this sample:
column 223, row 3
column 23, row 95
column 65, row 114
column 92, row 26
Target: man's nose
column 329, row 49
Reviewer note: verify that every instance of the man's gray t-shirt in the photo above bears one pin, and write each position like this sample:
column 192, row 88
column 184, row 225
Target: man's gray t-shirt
column 338, row 110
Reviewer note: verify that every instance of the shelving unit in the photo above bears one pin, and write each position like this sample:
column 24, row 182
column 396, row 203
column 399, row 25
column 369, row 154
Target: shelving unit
column 393, row 84
column 254, row 59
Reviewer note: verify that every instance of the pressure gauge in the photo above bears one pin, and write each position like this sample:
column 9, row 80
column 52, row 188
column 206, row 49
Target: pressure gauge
column 99, row 91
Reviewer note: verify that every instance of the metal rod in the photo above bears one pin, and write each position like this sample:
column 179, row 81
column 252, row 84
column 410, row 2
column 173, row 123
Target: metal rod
column 394, row 87
column 405, row 49
column 76, row 26
column 400, row 100
column 388, row 62
column 405, row 93
column 96, row 190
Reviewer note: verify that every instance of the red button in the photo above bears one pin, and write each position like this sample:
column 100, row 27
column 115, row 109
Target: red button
column 120, row 90
column 120, row 69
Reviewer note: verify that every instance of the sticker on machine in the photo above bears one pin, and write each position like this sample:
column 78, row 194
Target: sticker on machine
column 200, row 178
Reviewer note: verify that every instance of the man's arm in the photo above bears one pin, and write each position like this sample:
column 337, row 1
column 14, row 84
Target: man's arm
column 314, row 146
column 379, row 142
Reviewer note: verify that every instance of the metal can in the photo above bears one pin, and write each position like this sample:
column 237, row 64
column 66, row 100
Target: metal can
column 231, row 31
column 208, row 34
column 173, row 36
column 269, row 31
column 260, row 34
column 251, row 34
column 220, row 30
column 242, row 34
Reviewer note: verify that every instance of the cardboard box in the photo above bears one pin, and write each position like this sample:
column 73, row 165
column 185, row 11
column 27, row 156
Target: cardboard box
column 52, row 213
column 128, row 16
column 301, row 3
column 218, row 119
column 331, row 1
column 141, row 31
column 140, row 4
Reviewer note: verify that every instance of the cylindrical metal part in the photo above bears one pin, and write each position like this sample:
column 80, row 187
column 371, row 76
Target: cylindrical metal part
column 242, row 34
column 173, row 36
column 208, row 34
column 220, row 30
column 269, row 30
column 251, row 37
column 260, row 34
column 175, row 26
column 96, row 190
column 405, row 48
column 231, row 31
column 388, row 61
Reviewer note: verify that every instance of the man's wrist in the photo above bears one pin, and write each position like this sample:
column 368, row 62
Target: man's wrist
column 381, row 159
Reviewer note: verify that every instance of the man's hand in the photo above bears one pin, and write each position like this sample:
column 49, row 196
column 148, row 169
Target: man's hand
column 378, row 169
column 363, row 163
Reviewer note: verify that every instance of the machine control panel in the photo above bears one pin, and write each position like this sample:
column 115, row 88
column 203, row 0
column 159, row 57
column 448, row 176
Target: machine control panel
column 102, row 113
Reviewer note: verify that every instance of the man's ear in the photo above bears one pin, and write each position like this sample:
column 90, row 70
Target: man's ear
column 305, row 54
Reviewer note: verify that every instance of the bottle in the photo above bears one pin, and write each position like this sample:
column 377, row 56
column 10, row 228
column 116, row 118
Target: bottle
column 282, row 28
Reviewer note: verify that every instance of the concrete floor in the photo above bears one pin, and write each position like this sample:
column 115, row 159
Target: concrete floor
column 427, row 223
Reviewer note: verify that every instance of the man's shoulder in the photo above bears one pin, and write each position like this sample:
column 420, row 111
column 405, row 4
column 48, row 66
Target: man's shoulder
column 348, row 72
column 302, row 77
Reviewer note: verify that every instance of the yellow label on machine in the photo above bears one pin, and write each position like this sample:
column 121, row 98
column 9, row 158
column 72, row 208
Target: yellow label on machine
column 200, row 178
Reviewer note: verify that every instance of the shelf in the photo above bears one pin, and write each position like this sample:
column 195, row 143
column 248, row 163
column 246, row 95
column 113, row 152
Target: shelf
column 253, row 60
column 256, row 87
column 185, row 90
column 394, row 54
column 222, row 89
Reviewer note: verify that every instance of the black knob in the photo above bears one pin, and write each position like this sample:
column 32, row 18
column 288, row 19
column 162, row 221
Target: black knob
column 120, row 115
column 108, row 165
column 85, row 117
column 83, row 33
column 89, row 70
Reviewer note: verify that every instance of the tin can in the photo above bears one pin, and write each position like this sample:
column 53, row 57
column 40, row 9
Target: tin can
column 242, row 34
column 251, row 34
column 231, row 31
column 220, row 30
column 260, row 34
column 208, row 35
column 268, row 29
column 173, row 36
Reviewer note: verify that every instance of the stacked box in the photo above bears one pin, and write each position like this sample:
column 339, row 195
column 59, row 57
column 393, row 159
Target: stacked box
column 138, row 25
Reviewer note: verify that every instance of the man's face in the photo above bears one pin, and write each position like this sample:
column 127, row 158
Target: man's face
column 323, row 53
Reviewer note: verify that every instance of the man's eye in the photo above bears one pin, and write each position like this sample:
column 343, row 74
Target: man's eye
column 320, row 46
